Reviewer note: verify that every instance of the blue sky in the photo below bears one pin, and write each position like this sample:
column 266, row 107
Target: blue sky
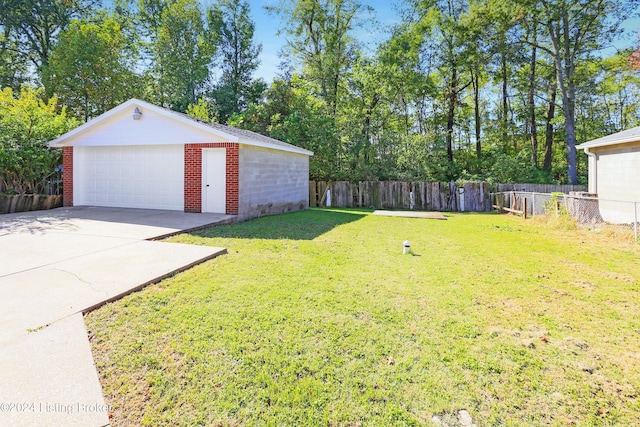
column 385, row 13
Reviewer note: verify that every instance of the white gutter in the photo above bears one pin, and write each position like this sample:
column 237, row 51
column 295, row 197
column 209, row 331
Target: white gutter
column 594, row 156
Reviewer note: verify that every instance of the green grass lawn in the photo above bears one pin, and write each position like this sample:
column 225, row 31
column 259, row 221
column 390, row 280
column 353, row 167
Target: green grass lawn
column 317, row 319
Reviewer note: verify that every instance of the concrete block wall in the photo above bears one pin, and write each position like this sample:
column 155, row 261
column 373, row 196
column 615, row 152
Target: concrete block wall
column 271, row 182
column 617, row 172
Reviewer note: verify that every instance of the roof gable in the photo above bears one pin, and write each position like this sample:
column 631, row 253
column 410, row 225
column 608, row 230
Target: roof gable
column 159, row 125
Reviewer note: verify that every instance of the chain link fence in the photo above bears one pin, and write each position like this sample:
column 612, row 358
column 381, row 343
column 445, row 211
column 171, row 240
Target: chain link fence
column 585, row 208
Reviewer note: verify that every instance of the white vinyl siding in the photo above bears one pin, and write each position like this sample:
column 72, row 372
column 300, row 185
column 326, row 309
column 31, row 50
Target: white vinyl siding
column 619, row 172
column 618, row 181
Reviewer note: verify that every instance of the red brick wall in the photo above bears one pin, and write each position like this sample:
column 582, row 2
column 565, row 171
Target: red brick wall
column 67, row 176
column 193, row 176
column 233, row 171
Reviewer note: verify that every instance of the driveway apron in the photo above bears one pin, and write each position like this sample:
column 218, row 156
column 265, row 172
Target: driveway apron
column 54, row 265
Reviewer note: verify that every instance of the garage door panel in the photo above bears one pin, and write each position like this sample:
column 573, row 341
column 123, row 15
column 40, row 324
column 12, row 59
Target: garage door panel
column 150, row 177
column 138, row 187
column 101, row 170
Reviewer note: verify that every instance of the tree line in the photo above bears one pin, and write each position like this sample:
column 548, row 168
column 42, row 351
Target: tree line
column 495, row 90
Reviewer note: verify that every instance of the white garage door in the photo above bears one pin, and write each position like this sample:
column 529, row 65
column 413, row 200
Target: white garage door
column 150, row 177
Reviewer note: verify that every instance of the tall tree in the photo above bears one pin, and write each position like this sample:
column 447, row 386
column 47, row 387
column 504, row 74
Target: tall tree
column 575, row 31
column 446, row 21
column 34, row 25
column 485, row 22
column 233, row 30
column 320, row 37
column 531, row 95
column 549, row 128
column 619, row 92
column 183, row 52
column 91, row 68
column 13, row 66
column 291, row 113
column 149, row 15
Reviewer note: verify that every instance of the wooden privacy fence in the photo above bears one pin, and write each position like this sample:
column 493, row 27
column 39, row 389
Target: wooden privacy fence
column 28, row 202
column 429, row 196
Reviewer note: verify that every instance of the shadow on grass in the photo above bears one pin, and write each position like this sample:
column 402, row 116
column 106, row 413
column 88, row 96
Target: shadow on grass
column 304, row 225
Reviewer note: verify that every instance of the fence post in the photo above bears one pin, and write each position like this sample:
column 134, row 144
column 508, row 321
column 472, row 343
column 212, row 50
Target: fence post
column 635, row 222
column 533, row 205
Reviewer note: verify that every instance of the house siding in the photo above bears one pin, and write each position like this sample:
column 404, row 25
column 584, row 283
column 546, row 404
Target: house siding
column 153, row 128
column 615, row 176
column 271, row 182
column 618, row 171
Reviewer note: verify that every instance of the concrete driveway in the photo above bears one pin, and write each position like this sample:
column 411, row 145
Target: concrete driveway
column 54, row 265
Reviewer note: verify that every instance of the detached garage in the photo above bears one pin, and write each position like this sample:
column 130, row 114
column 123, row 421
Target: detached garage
column 139, row 155
column 614, row 173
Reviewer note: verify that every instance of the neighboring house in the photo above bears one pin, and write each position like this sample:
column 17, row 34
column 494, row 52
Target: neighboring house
column 614, row 174
column 139, row 155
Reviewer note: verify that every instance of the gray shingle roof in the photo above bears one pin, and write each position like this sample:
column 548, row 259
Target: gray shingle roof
column 628, row 135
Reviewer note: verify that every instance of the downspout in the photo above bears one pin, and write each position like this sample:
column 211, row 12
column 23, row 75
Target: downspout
column 594, row 156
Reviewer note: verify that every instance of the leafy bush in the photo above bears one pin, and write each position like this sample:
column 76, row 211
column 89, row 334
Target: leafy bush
column 555, row 205
column 27, row 124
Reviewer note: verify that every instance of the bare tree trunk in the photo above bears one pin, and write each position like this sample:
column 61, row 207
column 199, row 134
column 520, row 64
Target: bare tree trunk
column 451, row 110
column 548, row 145
column 475, row 79
column 505, row 103
column 531, row 101
column 565, row 70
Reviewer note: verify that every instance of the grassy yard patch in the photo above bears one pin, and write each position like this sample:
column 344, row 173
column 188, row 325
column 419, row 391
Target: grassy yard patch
column 316, row 318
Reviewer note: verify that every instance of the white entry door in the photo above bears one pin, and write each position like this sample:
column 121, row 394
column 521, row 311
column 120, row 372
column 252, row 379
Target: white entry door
column 214, row 180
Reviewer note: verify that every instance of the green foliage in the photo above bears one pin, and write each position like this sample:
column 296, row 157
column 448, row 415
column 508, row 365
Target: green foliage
column 321, row 38
column 13, row 66
column 556, row 205
column 557, row 214
column 91, row 68
column 183, row 51
column 33, row 26
column 498, row 90
column 237, row 58
column 505, row 168
column 27, row 124
column 292, row 114
column 574, row 32
column 202, row 110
